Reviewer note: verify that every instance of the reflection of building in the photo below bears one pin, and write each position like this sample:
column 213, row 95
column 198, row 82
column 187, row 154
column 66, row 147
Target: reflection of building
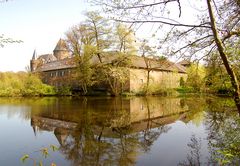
column 102, row 130
column 60, row 128
column 57, row 68
column 135, row 113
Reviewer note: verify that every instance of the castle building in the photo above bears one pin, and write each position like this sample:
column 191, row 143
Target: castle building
column 57, row 69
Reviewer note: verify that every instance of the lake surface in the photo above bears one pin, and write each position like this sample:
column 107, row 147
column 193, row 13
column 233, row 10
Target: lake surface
column 117, row 131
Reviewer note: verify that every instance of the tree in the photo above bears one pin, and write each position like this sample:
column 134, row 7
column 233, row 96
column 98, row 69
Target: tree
column 98, row 27
column 145, row 51
column 216, row 24
column 84, row 70
column 77, row 37
column 92, row 37
column 125, row 39
column 114, row 74
column 196, row 71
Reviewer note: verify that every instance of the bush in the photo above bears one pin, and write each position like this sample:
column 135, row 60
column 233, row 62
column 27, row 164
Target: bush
column 23, row 84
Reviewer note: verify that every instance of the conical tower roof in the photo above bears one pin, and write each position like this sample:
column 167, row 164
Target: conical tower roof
column 61, row 46
column 34, row 57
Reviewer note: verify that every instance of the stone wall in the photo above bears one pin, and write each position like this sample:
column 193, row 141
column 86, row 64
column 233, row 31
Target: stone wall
column 158, row 79
column 136, row 83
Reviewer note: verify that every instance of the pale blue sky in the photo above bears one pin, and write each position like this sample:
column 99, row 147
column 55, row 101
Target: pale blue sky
column 39, row 23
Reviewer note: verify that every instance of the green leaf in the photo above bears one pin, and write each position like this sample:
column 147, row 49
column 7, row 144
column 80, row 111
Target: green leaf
column 54, row 148
column 24, row 158
column 45, row 152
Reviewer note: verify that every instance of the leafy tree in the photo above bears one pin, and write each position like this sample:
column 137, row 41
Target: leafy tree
column 196, row 77
column 77, row 37
column 125, row 39
column 84, row 71
column 114, row 75
column 217, row 80
column 145, row 49
column 216, row 24
column 91, row 38
column 98, row 27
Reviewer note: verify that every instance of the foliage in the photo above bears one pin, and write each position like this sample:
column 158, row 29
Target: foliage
column 63, row 91
column 156, row 89
column 125, row 39
column 99, row 28
column 195, row 77
column 23, row 84
column 214, row 24
column 146, row 50
column 114, row 76
column 44, row 152
column 186, row 89
column 224, row 137
column 84, row 71
column 90, row 39
column 217, row 80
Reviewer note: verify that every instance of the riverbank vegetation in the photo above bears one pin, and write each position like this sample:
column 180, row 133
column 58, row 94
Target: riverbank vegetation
column 23, row 84
column 212, row 77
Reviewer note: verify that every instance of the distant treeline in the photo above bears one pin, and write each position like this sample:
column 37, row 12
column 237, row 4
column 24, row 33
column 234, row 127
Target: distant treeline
column 23, row 84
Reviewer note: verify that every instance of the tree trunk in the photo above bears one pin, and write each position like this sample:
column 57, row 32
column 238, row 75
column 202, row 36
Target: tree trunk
column 148, row 72
column 97, row 42
column 224, row 57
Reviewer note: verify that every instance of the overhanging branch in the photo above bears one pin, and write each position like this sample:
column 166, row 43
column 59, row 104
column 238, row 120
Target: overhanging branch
column 164, row 22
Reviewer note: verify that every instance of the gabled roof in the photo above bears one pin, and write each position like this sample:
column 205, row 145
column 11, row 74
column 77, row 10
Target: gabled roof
column 59, row 64
column 61, row 46
column 47, row 58
column 156, row 64
column 135, row 62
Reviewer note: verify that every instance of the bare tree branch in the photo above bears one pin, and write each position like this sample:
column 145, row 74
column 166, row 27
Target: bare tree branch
column 164, row 22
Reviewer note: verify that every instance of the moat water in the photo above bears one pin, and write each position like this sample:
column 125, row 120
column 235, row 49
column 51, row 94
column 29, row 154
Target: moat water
column 142, row 131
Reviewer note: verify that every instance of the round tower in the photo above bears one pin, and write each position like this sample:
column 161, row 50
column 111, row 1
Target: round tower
column 60, row 51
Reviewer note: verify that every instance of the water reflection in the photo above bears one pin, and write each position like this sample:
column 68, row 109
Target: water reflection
column 118, row 131
column 108, row 132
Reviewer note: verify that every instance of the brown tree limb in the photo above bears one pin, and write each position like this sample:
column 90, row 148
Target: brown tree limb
column 192, row 43
column 164, row 22
column 224, row 57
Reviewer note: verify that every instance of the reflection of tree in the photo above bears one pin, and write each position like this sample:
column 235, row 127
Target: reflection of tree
column 224, row 137
column 193, row 158
column 223, row 126
column 107, row 131
column 111, row 141
column 150, row 134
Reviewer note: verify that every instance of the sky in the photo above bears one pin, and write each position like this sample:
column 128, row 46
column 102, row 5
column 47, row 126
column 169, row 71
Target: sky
column 39, row 24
